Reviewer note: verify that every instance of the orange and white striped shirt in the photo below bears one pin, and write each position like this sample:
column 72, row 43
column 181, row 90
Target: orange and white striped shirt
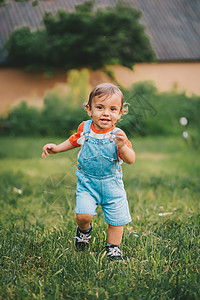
column 77, row 139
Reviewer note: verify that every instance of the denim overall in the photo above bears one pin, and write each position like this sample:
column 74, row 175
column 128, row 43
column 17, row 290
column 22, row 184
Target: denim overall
column 100, row 179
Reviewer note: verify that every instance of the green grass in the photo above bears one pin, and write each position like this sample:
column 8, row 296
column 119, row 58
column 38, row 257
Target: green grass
column 161, row 245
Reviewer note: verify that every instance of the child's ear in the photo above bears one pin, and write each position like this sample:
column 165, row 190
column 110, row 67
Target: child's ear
column 88, row 110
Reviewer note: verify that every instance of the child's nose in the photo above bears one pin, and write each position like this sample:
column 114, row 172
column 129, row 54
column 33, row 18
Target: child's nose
column 106, row 112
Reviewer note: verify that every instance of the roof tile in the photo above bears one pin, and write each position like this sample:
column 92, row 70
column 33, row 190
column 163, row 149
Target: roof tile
column 173, row 26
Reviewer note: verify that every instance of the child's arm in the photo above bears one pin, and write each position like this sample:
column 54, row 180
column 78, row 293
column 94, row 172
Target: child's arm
column 53, row 148
column 127, row 154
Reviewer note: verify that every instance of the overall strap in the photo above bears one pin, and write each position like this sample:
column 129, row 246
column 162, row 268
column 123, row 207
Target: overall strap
column 87, row 126
column 115, row 130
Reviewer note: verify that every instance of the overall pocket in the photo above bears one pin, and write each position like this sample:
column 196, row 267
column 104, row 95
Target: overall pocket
column 109, row 165
column 91, row 166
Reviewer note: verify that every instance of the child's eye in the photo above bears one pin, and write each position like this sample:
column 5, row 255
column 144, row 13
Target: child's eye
column 113, row 108
column 99, row 107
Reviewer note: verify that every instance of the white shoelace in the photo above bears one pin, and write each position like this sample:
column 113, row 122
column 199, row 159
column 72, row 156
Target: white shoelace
column 115, row 251
column 83, row 238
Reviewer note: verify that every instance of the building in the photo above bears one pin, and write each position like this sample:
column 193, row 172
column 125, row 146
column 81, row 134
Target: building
column 172, row 26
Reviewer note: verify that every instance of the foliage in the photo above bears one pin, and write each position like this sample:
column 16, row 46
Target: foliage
column 150, row 112
column 3, row 2
column 83, row 38
column 154, row 113
column 27, row 48
column 60, row 115
column 160, row 246
column 79, row 87
column 22, row 120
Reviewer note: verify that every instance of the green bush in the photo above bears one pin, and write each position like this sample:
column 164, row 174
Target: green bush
column 83, row 38
column 56, row 118
column 59, row 117
column 26, row 48
column 150, row 112
column 154, row 113
column 21, row 120
column 63, row 112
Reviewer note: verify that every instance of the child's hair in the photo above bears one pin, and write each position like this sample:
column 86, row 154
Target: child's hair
column 104, row 89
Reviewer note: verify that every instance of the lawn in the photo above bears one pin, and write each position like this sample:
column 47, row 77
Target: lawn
column 37, row 225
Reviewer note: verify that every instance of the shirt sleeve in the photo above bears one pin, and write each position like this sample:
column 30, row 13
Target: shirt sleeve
column 74, row 137
column 129, row 145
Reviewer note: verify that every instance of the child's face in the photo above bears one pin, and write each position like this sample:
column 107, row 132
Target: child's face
column 105, row 112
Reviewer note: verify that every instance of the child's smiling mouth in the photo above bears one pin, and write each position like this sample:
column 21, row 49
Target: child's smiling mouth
column 105, row 120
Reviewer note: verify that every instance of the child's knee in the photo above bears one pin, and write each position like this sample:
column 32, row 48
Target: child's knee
column 83, row 218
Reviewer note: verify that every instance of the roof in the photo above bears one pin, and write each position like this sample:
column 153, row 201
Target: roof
column 173, row 26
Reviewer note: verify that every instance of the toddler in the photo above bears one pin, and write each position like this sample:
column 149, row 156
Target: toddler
column 103, row 148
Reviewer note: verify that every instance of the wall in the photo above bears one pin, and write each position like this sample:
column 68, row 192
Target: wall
column 17, row 84
column 167, row 76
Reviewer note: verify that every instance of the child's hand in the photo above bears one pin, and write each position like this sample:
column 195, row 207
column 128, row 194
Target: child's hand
column 120, row 139
column 49, row 149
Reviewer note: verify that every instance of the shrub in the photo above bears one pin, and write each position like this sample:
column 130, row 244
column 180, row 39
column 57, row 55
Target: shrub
column 21, row 120
column 60, row 115
column 153, row 113
column 83, row 38
column 26, row 48
column 150, row 112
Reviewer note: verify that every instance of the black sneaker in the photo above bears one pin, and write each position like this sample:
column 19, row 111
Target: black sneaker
column 82, row 239
column 113, row 252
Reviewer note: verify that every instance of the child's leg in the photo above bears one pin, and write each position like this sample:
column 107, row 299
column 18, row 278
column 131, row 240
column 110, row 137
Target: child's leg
column 114, row 239
column 115, row 234
column 83, row 233
column 83, row 221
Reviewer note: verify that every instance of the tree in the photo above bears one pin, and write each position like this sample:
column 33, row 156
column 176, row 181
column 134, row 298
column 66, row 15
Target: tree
column 83, row 38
